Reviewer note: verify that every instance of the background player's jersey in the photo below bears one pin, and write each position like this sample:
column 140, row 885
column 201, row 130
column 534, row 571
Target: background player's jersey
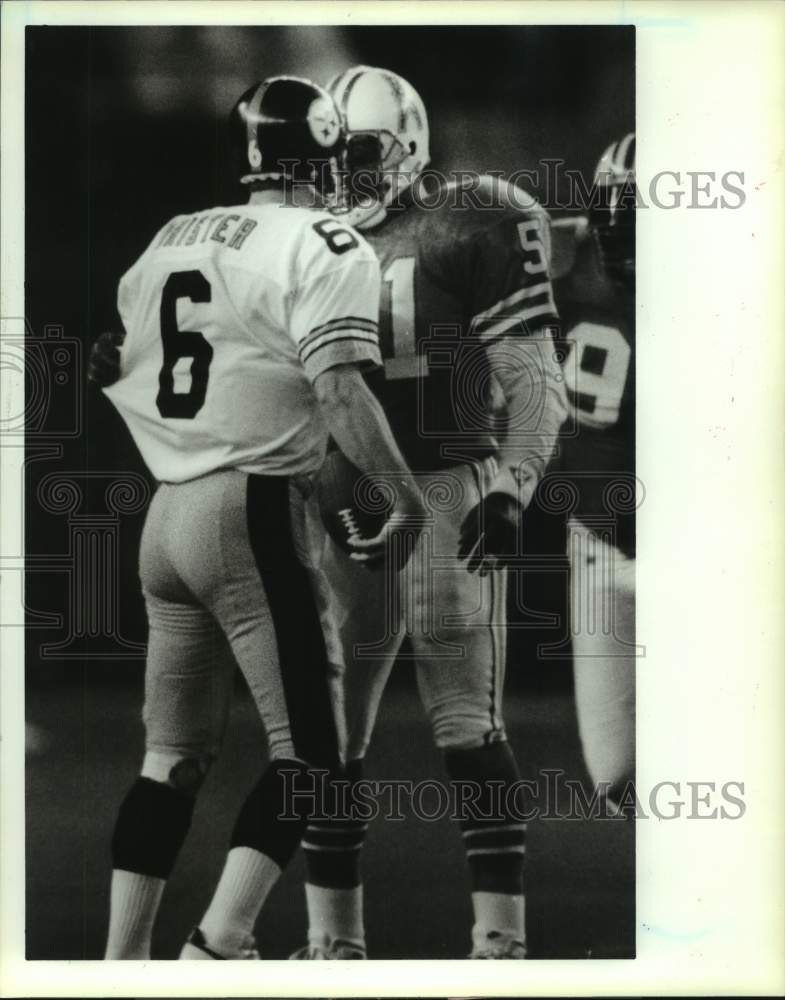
column 598, row 450
column 230, row 314
column 456, row 274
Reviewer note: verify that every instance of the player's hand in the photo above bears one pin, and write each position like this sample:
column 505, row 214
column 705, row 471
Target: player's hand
column 398, row 537
column 490, row 533
column 103, row 368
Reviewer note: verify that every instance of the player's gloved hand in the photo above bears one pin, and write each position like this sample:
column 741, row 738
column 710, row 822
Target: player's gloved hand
column 103, row 367
column 490, row 533
column 399, row 535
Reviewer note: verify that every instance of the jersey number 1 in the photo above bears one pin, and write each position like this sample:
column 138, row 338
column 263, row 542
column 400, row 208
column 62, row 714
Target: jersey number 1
column 183, row 344
column 399, row 343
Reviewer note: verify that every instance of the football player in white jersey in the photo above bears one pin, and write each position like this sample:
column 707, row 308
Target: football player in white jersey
column 466, row 311
column 248, row 328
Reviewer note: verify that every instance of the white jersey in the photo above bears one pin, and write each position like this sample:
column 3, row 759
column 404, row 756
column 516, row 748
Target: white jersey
column 230, row 315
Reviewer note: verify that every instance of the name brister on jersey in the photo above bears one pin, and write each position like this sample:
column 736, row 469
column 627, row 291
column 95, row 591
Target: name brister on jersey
column 231, row 229
column 231, row 313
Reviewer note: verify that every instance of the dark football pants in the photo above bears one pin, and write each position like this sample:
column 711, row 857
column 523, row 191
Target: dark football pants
column 222, row 568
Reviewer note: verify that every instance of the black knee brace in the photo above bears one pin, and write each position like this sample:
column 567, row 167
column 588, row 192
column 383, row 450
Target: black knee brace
column 152, row 824
column 273, row 817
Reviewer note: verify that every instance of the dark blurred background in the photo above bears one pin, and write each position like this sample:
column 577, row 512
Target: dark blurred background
column 124, row 129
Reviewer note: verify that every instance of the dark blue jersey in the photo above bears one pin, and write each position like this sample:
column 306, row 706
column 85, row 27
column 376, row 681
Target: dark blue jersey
column 597, row 448
column 460, row 268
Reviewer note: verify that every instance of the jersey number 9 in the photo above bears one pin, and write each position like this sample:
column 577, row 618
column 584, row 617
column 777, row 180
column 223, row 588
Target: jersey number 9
column 597, row 373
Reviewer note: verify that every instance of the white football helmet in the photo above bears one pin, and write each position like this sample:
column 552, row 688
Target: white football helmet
column 612, row 212
column 386, row 139
column 617, row 163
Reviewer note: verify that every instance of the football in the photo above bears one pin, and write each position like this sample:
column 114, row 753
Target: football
column 350, row 504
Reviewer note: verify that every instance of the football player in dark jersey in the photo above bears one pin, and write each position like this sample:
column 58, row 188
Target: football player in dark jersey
column 594, row 286
column 466, row 312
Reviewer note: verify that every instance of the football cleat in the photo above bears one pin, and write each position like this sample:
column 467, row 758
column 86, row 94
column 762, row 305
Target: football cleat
column 287, row 127
column 387, row 140
column 498, row 945
column 197, row 949
column 327, row 950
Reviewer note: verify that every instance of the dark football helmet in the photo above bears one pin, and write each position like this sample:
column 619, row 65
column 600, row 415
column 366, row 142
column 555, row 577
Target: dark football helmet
column 287, row 127
column 612, row 213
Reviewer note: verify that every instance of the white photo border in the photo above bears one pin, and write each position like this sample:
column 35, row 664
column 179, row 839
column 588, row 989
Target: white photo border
column 711, row 363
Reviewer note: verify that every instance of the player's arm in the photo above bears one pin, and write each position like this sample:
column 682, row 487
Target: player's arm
column 357, row 423
column 360, row 428
column 512, row 288
column 335, row 325
column 536, row 407
column 104, row 366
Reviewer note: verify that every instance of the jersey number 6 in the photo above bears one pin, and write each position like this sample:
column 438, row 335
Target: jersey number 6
column 183, row 344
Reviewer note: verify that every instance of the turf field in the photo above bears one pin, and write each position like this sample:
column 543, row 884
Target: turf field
column 87, row 745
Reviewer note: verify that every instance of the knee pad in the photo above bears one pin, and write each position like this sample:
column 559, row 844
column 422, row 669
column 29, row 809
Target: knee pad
column 182, row 773
column 493, row 762
column 152, row 824
column 481, row 776
column 274, row 815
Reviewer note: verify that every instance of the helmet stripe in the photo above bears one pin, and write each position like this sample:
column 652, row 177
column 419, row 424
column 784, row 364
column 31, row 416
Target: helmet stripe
column 348, row 86
column 254, row 110
column 626, row 152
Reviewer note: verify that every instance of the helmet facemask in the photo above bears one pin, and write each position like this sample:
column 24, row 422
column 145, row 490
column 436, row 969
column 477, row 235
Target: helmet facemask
column 612, row 211
column 613, row 226
column 386, row 141
column 370, row 169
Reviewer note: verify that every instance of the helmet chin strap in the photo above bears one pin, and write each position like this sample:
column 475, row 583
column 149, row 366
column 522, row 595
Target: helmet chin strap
column 374, row 212
column 254, row 178
column 366, row 216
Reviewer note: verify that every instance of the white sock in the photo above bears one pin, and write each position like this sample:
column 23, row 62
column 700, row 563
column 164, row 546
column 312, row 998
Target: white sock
column 335, row 913
column 247, row 878
column 497, row 911
column 132, row 910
